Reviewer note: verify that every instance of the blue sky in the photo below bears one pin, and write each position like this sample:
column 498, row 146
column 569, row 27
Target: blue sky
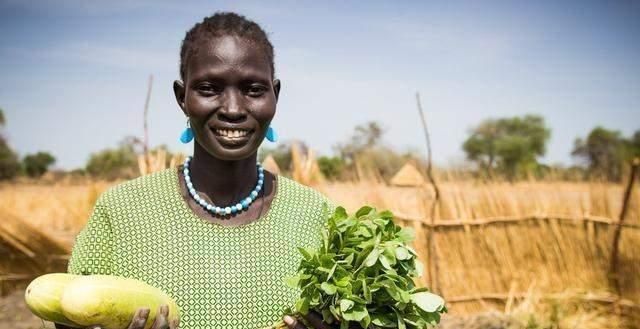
column 74, row 73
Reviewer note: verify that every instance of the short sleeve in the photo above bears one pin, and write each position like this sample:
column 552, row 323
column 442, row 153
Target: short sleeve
column 93, row 249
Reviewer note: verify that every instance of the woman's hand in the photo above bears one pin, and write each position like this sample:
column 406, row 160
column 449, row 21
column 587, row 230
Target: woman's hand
column 140, row 319
column 161, row 321
column 313, row 318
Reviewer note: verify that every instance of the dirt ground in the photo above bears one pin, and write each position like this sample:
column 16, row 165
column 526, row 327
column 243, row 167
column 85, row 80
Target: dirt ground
column 14, row 313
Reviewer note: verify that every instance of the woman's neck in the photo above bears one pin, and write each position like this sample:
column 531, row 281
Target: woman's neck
column 224, row 182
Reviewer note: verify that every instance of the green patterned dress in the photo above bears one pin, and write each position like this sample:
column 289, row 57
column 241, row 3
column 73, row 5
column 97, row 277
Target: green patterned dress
column 221, row 277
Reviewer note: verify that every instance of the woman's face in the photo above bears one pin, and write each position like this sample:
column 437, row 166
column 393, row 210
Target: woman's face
column 229, row 96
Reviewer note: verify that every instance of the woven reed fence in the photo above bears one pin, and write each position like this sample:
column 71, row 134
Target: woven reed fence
column 477, row 263
column 482, row 262
column 486, row 244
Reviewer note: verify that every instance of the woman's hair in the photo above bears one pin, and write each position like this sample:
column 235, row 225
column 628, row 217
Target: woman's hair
column 221, row 24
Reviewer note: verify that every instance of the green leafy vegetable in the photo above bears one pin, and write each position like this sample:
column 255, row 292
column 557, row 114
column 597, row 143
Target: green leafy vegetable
column 363, row 273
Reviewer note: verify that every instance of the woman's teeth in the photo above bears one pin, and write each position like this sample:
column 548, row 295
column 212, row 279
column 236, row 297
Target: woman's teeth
column 233, row 133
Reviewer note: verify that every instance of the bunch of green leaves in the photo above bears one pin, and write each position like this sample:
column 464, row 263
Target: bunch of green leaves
column 363, row 273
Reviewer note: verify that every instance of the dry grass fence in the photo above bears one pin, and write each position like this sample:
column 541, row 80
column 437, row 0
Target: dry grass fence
column 494, row 242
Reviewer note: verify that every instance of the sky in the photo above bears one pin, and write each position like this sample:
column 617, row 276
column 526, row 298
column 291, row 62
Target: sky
column 74, row 73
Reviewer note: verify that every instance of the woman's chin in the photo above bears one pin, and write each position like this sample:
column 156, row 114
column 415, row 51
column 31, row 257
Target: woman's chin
column 232, row 151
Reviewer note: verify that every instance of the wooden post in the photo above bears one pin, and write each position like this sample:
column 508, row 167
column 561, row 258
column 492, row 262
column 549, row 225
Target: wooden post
column 432, row 255
column 146, row 129
column 613, row 269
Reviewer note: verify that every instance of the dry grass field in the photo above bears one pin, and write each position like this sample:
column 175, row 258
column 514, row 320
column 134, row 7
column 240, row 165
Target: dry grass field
column 531, row 253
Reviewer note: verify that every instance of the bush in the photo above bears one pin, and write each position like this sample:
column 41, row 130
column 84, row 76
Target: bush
column 331, row 167
column 113, row 163
column 9, row 163
column 35, row 165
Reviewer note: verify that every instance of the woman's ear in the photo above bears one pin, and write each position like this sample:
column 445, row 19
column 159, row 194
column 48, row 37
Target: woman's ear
column 179, row 92
column 276, row 88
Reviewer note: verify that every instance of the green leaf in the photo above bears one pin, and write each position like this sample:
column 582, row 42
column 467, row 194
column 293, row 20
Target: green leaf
column 405, row 297
column 372, row 258
column 302, row 305
column 333, row 269
column 328, row 288
column 339, row 214
column 382, row 320
column 292, row 281
column 363, row 211
column 401, row 324
column 356, row 313
column 427, row 301
column 307, row 253
column 365, row 291
column 347, row 260
column 402, row 253
column 345, row 305
column 406, row 234
column 386, row 262
column 343, row 282
column 386, row 214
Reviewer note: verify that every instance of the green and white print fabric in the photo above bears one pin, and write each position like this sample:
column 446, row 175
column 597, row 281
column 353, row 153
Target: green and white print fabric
column 221, row 277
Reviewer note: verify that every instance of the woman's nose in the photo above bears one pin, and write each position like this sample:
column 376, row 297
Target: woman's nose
column 233, row 108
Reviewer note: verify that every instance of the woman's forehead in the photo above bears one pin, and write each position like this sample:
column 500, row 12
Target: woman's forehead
column 228, row 52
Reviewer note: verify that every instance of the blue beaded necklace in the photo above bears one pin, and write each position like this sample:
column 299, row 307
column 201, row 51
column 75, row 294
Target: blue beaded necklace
column 228, row 210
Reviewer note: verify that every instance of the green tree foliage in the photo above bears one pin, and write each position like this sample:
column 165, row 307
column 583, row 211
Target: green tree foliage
column 605, row 152
column 35, row 165
column 634, row 144
column 331, row 167
column 120, row 162
column 365, row 137
column 509, row 145
column 9, row 162
column 364, row 151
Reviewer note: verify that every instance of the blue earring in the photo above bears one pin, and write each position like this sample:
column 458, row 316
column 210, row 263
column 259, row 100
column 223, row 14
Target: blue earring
column 187, row 134
column 271, row 134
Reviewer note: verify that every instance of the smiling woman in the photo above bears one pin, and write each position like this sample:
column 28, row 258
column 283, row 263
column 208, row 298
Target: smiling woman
column 219, row 234
column 229, row 94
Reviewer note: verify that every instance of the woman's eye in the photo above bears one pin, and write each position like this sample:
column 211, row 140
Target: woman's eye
column 209, row 89
column 256, row 90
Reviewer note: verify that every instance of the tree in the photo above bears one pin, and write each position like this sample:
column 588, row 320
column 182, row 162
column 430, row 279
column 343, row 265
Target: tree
column 605, row 152
column 366, row 136
column 35, row 165
column 331, row 167
column 634, row 145
column 120, row 162
column 509, row 145
column 9, row 162
column 364, row 153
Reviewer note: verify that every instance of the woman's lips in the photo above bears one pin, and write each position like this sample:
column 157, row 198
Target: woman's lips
column 232, row 137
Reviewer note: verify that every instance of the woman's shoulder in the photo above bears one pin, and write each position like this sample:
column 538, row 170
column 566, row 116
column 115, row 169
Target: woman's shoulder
column 155, row 185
